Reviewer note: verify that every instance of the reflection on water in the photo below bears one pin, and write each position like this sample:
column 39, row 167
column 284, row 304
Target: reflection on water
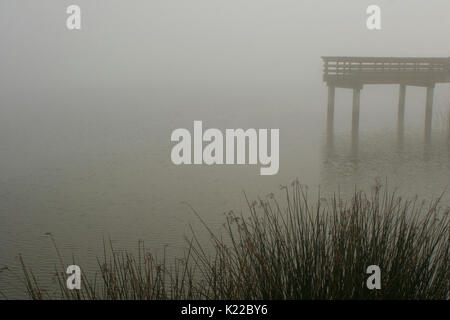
column 408, row 163
column 87, row 167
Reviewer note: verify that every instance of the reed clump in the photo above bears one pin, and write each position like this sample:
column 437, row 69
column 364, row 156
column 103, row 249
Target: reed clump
column 290, row 249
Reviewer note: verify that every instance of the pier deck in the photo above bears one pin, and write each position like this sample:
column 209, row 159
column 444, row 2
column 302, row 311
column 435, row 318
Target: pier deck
column 355, row 72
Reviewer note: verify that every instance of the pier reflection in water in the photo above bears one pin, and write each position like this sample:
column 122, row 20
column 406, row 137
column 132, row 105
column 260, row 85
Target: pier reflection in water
column 411, row 164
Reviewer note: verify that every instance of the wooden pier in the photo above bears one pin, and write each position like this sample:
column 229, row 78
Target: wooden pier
column 355, row 72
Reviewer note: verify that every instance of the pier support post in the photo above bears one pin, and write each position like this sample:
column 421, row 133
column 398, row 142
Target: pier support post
column 429, row 113
column 401, row 114
column 330, row 115
column 355, row 117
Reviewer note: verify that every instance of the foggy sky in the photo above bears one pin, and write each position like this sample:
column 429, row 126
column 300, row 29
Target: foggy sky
column 204, row 43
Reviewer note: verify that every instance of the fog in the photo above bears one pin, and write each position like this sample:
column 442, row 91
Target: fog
column 207, row 44
column 86, row 115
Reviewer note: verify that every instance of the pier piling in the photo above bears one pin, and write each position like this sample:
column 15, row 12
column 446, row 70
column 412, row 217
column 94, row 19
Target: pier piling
column 355, row 115
column 330, row 114
column 401, row 114
column 429, row 113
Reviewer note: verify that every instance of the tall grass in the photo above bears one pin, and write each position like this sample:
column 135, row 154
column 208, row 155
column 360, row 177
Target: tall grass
column 289, row 249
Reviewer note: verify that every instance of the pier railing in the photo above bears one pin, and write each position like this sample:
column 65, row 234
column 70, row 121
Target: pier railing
column 386, row 70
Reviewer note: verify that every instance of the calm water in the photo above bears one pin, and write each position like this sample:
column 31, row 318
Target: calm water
column 86, row 165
